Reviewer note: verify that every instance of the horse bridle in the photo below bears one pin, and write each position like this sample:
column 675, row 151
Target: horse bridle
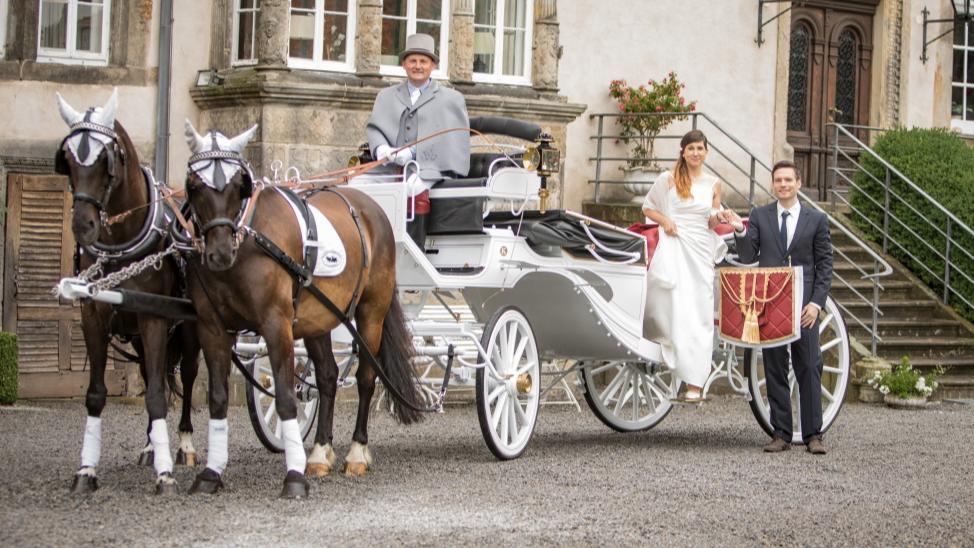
column 113, row 155
column 246, row 192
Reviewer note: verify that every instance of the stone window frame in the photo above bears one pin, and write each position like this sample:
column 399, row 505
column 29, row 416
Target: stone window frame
column 443, row 48
column 964, row 48
column 69, row 55
column 348, row 65
column 128, row 45
column 235, row 60
column 494, row 77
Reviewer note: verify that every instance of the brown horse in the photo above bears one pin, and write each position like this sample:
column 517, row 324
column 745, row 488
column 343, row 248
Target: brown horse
column 105, row 177
column 236, row 284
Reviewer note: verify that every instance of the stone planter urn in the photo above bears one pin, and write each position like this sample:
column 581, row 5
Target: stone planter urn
column 638, row 181
column 913, row 402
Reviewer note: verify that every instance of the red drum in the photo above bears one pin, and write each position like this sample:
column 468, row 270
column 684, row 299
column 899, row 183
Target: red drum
column 760, row 307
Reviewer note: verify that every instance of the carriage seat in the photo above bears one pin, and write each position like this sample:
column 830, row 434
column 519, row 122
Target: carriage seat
column 553, row 231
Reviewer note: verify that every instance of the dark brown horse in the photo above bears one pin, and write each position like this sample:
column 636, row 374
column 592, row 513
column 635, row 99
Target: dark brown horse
column 236, row 284
column 105, row 177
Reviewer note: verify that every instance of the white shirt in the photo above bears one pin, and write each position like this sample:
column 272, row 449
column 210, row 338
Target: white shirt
column 792, row 219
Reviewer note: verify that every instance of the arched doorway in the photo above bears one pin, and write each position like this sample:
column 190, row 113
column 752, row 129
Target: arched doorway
column 830, row 56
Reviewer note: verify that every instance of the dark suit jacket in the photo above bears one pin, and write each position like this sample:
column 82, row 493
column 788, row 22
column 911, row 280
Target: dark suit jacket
column 811, row 248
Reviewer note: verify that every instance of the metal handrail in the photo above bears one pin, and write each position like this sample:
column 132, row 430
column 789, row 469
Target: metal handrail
column 947, row 230
column 757, row 193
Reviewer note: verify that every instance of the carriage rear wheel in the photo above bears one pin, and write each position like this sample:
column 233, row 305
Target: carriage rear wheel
column 629, row 396
column 508, row 396
column 834, row 341
column 263, row 412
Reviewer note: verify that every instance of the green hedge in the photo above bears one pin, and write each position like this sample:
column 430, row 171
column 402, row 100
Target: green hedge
column 8, row 368
column 942, row 165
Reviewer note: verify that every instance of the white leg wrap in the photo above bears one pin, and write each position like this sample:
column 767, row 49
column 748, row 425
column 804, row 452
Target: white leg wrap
column 159, row 436
column 294, row 455
column 217, row 451
column 186, row 442
column 91, row 446
column 324, row 454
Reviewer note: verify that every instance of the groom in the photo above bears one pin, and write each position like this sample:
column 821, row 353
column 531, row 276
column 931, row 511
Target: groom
column 784, row 233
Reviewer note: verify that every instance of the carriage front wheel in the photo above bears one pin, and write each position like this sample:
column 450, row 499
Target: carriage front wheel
column 834, row 341
column 508, row 395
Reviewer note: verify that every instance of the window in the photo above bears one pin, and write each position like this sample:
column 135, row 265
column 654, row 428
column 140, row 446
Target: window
column 502, row 41
column 845, row 78
column 322, row 35
column 73, row 32
column 245, row 17
column 962, row 96
column 798, row 78
column 400, row 18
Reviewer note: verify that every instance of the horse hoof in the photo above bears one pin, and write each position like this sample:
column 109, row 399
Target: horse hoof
column 356, row 469
column 318, row 469
column 84, row 484
column 166, row 486
column 207, row 482
column 146, row 458
column 295, row 486
column 185, row 459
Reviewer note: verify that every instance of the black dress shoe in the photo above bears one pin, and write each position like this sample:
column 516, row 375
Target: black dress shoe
column 777, row 445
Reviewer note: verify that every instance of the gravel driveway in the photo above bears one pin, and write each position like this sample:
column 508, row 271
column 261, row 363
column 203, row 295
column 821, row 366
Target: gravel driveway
column 893, row 477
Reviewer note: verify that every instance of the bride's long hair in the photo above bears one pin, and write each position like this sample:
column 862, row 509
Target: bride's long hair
column 681, row 173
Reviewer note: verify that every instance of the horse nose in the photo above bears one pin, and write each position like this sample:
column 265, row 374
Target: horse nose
column 220, row 259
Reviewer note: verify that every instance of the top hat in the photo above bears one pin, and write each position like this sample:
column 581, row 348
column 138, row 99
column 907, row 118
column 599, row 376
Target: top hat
column 419, row 43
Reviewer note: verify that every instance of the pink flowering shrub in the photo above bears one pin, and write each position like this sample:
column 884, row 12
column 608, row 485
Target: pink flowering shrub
column 646, row 103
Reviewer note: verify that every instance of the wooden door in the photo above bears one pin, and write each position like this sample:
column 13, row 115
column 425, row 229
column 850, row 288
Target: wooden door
column 829, row 81
column 39, row 251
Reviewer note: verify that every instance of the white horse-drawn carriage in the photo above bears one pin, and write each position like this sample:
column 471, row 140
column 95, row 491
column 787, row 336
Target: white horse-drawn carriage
column 541, row 287
column 556, row 288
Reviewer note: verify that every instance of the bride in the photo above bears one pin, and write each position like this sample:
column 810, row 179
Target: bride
column 680, row 284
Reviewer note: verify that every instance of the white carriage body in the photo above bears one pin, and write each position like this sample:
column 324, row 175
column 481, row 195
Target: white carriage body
column 579, row 308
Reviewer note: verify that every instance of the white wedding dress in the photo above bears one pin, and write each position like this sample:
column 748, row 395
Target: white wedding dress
column 680, row 282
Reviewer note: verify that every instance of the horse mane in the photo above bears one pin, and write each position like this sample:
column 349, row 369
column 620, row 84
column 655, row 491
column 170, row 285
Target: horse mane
column 132, row 169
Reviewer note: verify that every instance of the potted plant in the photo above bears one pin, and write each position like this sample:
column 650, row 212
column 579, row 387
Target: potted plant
column 904, row 387
column 653, row 106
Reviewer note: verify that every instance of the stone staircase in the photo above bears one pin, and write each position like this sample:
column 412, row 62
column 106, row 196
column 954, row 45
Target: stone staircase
column 914, row 323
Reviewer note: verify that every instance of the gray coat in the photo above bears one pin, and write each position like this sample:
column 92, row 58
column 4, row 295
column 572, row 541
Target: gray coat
column 396, row 122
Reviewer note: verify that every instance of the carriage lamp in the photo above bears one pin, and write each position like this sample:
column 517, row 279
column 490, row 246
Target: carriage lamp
column 962, row 14
column 362, row 156
column 546, row 160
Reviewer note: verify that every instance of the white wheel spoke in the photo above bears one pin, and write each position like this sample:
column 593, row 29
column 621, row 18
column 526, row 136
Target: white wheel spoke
column 627, row 392
column 637, row 394
column 510, row 343
column 512, row 419
column 269, row 414
column 834, row 342
column 525, row 368
column 504, row 421
column 495, row 393
column 828, row 395
column 277, row 428
column 830, row 369
column 496, row 414
column 610, row 390
column 519, row 350
column 824, row 324
column 520, row 413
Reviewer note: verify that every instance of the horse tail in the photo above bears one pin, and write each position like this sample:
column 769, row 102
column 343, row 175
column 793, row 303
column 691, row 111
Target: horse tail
column 395, row 355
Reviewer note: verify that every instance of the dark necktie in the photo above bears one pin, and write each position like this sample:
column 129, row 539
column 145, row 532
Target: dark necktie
column 783, row 234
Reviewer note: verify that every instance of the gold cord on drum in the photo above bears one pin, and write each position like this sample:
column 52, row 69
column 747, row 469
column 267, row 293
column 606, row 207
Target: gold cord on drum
column 751, row 332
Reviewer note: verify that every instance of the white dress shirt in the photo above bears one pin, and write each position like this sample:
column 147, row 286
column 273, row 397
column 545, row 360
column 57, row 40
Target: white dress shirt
column 792, row 219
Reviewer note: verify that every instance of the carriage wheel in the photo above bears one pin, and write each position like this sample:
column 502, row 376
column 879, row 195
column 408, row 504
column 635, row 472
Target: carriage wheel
column 263, row 412
column 507, row 403
column 834, row 341
column 629, row 396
